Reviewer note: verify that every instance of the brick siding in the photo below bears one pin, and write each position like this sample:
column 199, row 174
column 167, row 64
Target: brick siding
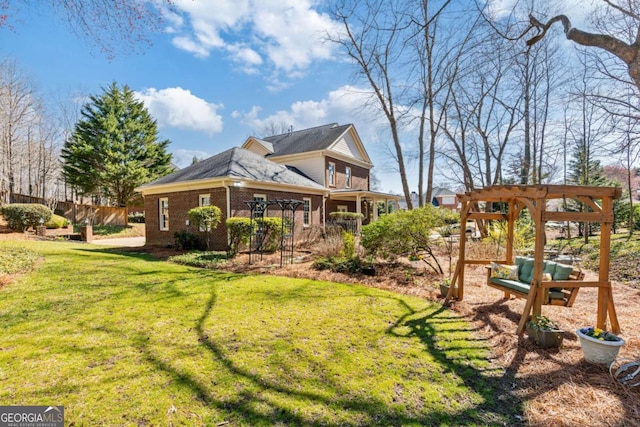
column 359, row 175
column 181, row 202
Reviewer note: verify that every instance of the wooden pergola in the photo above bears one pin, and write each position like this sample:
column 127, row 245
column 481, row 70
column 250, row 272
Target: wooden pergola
column 599, row 201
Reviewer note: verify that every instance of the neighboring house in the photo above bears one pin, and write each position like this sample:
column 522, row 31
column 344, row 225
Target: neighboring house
column 445, row 198
column 326, row 167
column 440, row 197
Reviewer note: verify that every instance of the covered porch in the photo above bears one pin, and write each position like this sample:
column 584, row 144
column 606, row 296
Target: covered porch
column 362, row 202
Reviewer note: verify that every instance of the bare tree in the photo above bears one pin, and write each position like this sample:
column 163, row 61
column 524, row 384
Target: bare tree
column 373, row 40
column 619, row 23
column 111, row 24
column 16, row 113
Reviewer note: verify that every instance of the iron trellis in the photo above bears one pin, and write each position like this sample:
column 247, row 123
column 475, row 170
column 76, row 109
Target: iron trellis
column 258, row 209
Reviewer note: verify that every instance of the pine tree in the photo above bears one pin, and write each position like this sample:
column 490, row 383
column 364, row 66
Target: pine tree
column 584, row 170
column 114, row 147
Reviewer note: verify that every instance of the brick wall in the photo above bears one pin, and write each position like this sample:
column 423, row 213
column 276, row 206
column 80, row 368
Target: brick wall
column 179, row 205
column 181, row 202
column 359, row 175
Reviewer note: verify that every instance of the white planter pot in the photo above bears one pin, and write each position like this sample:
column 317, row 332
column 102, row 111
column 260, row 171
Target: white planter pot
column 598, row 351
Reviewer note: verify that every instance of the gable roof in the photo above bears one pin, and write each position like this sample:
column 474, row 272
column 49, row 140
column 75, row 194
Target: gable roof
column 305, row 140
column 441, row 191
column 237, row 163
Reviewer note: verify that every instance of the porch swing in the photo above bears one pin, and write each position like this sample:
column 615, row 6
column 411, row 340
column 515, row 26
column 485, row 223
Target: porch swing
column 536, row 286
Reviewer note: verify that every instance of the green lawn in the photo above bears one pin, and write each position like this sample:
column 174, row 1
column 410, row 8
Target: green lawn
column 121, row 339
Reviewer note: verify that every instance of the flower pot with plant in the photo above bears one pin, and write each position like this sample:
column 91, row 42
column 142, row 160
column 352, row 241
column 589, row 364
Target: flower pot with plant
column 544, row 332
column 599, row 346
column 444, row 288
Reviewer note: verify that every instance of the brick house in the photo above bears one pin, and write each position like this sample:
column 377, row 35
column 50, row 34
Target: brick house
column 326, row 167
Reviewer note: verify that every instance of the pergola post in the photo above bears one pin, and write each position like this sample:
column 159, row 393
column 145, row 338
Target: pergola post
column 605, row 295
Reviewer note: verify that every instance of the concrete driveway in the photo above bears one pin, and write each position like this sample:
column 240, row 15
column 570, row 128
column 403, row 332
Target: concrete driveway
column 129, row 242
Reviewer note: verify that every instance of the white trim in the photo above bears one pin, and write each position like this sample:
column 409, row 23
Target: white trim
column 331, row 178
column 163, row 218
column 342, row 208
column 309, row 212
column 260, row 196
column 202, row 197
column 221, row 182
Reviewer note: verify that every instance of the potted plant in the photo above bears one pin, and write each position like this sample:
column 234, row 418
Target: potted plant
column 368, row 268
column 444, row 288
column 599, row 346
column 544, row 332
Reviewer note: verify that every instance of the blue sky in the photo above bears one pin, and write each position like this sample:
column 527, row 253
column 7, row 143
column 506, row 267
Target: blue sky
column 218, row 72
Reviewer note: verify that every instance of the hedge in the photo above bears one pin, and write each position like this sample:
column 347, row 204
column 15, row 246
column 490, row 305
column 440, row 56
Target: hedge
column 21, row 216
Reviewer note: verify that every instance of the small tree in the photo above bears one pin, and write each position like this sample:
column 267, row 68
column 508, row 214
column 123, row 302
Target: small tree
column 205, row 218
column 404, row 233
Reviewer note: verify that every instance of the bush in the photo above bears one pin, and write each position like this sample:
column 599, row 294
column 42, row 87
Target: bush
column 21, row 216
column 338, row 264
column 239, row 233
column 187, row 241
column 205, row 218
column 348, row 245
column 272, row 227
column 402, row 233
column 346, row 215
column 136, row 218
column 56, row 221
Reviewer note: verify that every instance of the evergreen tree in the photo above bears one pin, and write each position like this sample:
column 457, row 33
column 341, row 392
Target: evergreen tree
column 114, row 147
column 584, row 170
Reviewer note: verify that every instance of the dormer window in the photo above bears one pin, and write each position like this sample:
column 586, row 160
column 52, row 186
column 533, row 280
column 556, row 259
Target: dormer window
column 331, row 174
column 347, row 177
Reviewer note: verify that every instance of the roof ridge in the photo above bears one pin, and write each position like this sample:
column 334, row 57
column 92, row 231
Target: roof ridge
column 334, row 124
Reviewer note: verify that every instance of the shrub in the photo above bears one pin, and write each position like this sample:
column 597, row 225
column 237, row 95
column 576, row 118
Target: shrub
column 136, row 218
column 272, row 228
column 402, row 233
column 338, row 264
column 348, row 245
column 205, row 218
column 56, row 221
column 21, row 216
column 187, row 241
column 201, row 259
column 239, row 233
column 346, row 215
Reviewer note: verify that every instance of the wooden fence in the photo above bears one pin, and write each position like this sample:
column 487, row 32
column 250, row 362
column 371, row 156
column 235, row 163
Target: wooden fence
column 79, row 214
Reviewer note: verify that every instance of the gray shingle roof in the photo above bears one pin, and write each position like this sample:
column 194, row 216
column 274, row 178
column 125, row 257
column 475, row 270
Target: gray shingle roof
column 301, row 141
column 241, row 164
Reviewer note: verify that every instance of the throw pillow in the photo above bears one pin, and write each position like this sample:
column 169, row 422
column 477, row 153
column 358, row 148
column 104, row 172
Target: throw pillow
column 562, row 272
column 504, row 271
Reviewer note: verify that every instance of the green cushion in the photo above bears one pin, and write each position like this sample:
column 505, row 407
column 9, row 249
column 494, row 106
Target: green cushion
column 562, row 272
column 556, row 294
column 511, row 284
column 526, row 271
column 549, row 267
column 519, row 261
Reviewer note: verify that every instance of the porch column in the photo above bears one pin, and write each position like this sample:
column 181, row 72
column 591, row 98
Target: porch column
column 375, row 209
column 359, row 212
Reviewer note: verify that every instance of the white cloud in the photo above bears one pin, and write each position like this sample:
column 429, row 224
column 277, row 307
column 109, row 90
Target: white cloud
column 183, row 158
column 288, row 33
column 177, row 107
column 343, row 105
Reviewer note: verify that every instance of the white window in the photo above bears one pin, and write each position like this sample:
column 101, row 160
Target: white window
column 306, row 211
column 347, row 178
column 163, row 209
column 448, row 200
column 343, row 208
column 204, row 200
column 259, row 197
column 331, row 174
